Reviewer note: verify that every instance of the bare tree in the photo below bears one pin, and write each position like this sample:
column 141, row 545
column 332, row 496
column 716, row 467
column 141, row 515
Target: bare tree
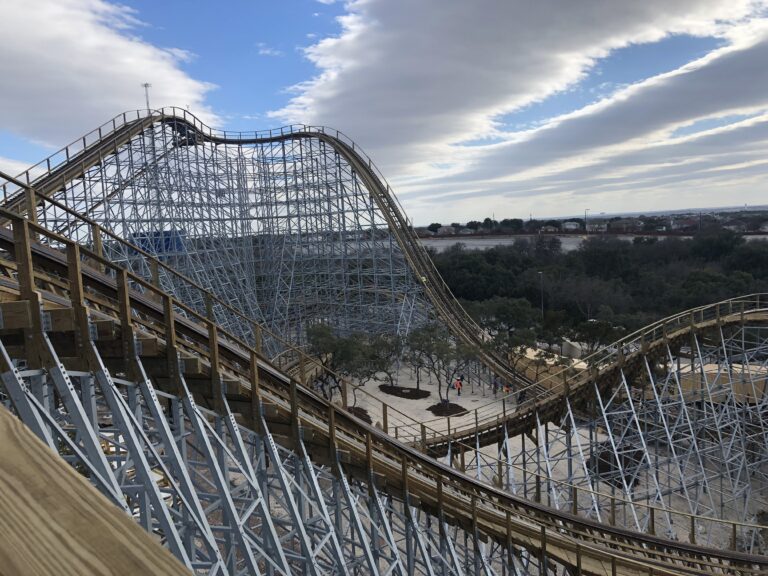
column 433, row 349
column 357, row 356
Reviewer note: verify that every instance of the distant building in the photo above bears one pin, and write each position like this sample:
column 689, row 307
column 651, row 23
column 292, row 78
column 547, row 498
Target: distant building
column 683, row 224
column 571, row 226
column 764, row 227
column 446, row 231
column 549, row 229
column 466, row 232
column 597, row 227
column 735, row 226
column 626, row 225
column 423, row 232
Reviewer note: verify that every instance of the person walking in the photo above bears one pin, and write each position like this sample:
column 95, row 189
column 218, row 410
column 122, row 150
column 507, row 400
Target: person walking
column 458, row 384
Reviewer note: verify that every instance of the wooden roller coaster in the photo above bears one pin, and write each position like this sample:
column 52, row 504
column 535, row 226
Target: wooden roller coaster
column 66, row 307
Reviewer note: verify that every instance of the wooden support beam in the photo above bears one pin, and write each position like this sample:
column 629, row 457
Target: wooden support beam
column 15, row 315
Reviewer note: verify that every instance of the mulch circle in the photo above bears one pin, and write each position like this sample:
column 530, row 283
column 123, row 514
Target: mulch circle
column 361, row 413
column 404, row 392
column 450, row 409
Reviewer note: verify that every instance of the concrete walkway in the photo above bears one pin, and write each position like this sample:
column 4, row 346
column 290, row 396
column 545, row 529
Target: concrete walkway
column 404, row 416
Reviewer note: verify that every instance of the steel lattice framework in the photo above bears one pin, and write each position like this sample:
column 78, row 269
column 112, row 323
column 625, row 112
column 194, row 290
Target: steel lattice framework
column 258, row 235
column 682, row 430
column 227, row 500
column 283, row 229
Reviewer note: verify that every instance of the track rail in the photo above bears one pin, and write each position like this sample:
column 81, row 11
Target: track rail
column 92, row 149
column 604, row 368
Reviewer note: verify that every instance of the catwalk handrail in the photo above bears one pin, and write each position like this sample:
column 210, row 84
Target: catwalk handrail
column 484, row 506
column 73, row 155
column 258, row 330
column 76, row 158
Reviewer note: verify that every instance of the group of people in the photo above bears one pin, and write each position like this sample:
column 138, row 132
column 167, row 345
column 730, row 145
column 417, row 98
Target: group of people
column 498, row 385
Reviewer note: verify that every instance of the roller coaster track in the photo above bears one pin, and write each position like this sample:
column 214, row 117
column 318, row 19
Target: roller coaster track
column 191, row 131
column 604, row 368
column 49, row 278
column 108, row 293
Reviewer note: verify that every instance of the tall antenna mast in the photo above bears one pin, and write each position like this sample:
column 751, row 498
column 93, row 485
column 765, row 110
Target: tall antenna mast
column 147, row 86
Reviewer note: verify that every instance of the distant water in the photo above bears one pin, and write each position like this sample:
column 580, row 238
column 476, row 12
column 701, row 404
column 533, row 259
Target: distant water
column 568, row 243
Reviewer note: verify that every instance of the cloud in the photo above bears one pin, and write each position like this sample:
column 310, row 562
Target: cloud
column 13, row 167
column 411, row 82
column 626, row 143
column 728, row 81
column 70, row 65
column 265, row 50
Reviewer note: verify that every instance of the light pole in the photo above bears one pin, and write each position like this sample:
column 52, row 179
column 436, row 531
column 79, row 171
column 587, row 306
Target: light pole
column 147, row 86
column 586, row 230
column 541, row 292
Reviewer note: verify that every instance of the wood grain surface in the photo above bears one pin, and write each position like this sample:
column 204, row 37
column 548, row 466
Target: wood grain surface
column 53, row 521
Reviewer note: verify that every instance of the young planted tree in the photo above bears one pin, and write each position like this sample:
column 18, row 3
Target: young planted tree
column 433, row 349
column 358, row 356
column 380, row 358
column 514, row 348
column 337, row 354
column 595, row 333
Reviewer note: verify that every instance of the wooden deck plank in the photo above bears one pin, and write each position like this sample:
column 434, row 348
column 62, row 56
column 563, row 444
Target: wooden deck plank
column 53, row 521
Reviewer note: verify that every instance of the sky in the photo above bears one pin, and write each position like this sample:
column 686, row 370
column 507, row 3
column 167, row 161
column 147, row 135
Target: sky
column 505, row 108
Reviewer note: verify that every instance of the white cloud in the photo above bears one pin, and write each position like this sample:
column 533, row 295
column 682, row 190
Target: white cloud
column 70, row 65
column 411, row 81
column 265, row 50
column 729, row 81
column 13, row 167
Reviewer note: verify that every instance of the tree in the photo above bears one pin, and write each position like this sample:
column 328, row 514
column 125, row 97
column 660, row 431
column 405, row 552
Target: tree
column 377, row 359
column 547, row 247
column 512, row 224
column 513, row 346
column 434, row 227
column 541, row 360
column 507, row 316
column 357, row 356
column 489, row 224
column 605, row 257
column 337, row 355
column 473, row 224
column 433, row 349
column 716, row 244
column 751, row 257
column 594, row 333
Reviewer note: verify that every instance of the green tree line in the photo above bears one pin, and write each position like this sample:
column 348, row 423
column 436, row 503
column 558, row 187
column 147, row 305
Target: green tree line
column 606, row 287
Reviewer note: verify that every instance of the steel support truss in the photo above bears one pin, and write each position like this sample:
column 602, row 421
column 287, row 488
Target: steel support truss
column 226, row 500
column 686, row 435
column 285, row 231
